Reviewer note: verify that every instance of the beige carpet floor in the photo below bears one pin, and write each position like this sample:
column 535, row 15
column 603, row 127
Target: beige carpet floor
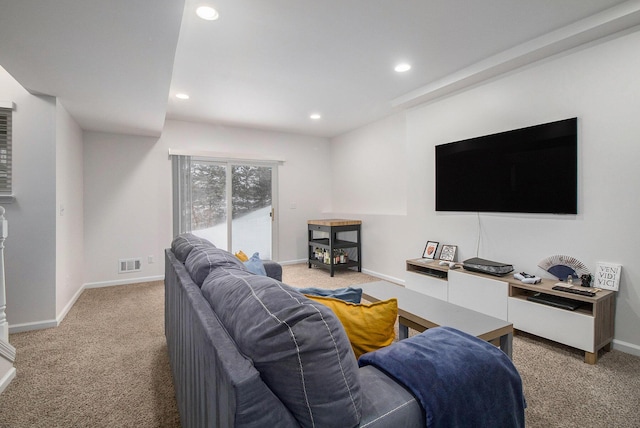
column 107, row 365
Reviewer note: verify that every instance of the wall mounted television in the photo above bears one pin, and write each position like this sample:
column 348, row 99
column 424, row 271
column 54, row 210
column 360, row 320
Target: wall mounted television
column 527, row 170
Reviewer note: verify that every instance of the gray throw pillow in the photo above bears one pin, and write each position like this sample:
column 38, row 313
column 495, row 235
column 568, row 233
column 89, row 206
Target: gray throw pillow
column 184, row 243
column 299, row 346
column 201, row 261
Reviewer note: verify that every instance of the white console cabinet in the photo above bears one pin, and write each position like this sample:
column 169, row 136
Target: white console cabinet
column 430, row 285
column 576, row 329
column 488, row 296
column 589, row 328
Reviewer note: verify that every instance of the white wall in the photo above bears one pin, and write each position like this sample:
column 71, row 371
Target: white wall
column 70, row 215
column 372, row 160
column 30, row 258
column 127, row 206
column 599, row 85
column 370, row 183
column 127, row 198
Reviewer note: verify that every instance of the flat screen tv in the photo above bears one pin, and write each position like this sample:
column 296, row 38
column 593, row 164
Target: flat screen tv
column 528, row 170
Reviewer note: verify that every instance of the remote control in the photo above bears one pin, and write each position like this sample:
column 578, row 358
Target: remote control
column 528, row 279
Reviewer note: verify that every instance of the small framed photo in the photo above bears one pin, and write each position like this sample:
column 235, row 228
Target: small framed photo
column 448, row 253
column 430, row 250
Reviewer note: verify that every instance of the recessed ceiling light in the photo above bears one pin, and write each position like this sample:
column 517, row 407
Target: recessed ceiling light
column 182, row 96
column 207, row 12
column 401, row 68
column 315, row 116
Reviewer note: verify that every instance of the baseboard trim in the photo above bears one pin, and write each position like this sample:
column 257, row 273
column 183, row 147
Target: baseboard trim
column 626, row 347
column 7, row 378
column 69, row 305
column 28, row 326
column 385, row 277
column 123, row 281
column 293, row 262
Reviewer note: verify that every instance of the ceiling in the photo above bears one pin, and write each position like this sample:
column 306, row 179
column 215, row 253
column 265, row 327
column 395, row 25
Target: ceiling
column 116, row 65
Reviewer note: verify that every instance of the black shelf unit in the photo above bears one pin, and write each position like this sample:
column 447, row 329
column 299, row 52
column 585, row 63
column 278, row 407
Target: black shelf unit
column 331, row 243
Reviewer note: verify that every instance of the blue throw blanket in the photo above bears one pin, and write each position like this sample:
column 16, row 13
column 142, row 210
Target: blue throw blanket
column 460, row 380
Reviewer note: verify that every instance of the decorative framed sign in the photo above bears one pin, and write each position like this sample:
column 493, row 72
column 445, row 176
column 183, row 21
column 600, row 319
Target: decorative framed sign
column 607, row 276
column 448, row 253
column 430, row 250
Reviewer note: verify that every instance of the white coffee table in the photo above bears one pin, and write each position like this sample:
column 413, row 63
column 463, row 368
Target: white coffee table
column 420, row 312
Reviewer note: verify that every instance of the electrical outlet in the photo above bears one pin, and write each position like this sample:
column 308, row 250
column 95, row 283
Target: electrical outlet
column 150, row 259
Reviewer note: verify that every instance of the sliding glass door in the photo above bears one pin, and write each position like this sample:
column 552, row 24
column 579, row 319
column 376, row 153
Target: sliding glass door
column 252, row 209
column 228, row 203
column 208, row 205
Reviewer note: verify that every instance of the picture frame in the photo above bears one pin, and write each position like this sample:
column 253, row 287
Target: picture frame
column 448, row 253
column 430, row 250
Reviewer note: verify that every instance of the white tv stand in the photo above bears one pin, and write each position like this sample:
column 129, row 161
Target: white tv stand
column 589, row 328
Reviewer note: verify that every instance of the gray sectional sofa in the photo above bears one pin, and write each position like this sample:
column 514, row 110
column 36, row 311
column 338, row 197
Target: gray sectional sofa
column 247, row 350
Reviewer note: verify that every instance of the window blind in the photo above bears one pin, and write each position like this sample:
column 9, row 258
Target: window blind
column 5, row 151
column 181, row 194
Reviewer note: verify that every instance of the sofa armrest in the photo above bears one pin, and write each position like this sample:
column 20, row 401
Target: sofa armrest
column 386, row 403
column 273, row 269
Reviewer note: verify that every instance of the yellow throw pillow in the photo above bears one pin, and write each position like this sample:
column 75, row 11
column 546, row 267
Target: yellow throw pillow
column 368, row 326
column 241, row 256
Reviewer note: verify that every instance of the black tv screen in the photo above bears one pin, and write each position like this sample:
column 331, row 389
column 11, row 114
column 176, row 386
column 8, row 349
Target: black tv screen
column 528, row 170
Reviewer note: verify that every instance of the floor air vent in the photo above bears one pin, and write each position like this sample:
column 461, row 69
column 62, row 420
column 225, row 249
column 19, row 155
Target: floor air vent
column 129, row 265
